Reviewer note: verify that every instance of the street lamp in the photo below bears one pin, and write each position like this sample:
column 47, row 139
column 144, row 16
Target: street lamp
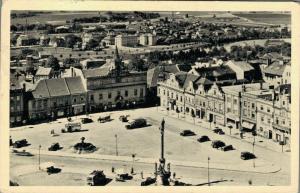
column 116, row 136
column 208, row 181
column 40, row 157
column 253, row 153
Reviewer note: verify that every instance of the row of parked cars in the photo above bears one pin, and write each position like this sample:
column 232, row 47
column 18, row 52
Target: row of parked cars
column 218, row 144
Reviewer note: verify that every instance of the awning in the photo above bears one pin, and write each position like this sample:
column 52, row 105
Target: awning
column 247, row 125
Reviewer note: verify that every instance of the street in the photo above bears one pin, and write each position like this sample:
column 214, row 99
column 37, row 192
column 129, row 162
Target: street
column 189, row 156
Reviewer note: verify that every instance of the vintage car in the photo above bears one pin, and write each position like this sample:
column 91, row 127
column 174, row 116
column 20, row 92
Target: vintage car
column 148, row 181
column 96, row 178
column 217, row 144
column 203, row 138
column 187, row 133
column 71, row 127
column 104, row 119
column 124, row 118
column 247, row 155
column 86, row 120
column 137, row 123
column 20, row 143
column 54, row 147
column 53, row 170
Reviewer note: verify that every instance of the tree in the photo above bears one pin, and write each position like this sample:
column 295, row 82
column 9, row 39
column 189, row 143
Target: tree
column 138, row 64
column 52, row 62
column 71, row 40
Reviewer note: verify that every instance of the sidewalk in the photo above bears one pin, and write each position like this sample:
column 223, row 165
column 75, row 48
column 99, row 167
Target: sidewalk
column 248, row 137
column 261, row 166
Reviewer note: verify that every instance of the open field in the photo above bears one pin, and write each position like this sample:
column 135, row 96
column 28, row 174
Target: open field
column 272, row 18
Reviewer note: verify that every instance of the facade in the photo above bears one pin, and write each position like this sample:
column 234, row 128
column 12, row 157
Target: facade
column 43, row 73
column 126, row 40
column 16, row 103
column 147, row 40
column 277, row 73
column 52, row 98
column 114, row 87
column 215, row 105
column 26, row 40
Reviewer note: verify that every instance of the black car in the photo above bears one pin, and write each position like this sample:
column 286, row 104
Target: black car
column 20, row 143
column 187, row 133
column 217, row 144
column 203, row 138
column 247, row 155
column 218, row 131
column 227, row 148
column 137, row 123
column 53, row 170
column 86, row 120
column 148, row 181
column 54, row 147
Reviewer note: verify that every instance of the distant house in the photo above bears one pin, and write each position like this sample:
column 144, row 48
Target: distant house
column 108, row 41
column 44, row 40
column 215, row 73
column 62, row 29
column 242, row 69
column 26, row 40
column 43, row 73
column 277, row 73
column 92, row 63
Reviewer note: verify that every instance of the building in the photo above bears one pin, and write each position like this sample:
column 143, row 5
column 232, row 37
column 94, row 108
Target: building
column 92, row 63
column 215, row 105
column 147, row 39
column 112, row 86
column 43, row 73
column 126, row 40
column 242, row 69
column 26, row 40
column 277, row 73
column 60, row 97
column 108, row 41
column 215, row 73
column 17, row 104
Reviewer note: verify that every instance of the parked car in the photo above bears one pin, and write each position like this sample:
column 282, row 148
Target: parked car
column 137, row 123
column 203, row 138
column 23, row 153
column 96, row 178
column 71, row 127
column 121, row 176
column 54, row 147
column 217, row 144
column 218, row 131
column 104, row 119
column 187, row 133
column 20, row 143
column 86, row 120
column 247, row 155
column 124, row 118
column 53, row 170
column 227, row 148
column 148, row 181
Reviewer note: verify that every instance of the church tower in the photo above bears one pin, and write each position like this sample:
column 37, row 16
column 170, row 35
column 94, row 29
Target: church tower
column 117, row 63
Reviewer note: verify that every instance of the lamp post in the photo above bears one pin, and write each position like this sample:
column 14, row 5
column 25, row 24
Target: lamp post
column 116, row 136
column 40, row 157
column 253, row 153
column 208, row 180
column 132, row 170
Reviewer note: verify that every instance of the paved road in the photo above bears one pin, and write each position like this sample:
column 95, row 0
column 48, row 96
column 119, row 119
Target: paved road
column 74, row 172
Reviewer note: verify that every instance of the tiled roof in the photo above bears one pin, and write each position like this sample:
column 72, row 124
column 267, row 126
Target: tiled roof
column 275, row 69
column 41, row 90
column 75, row 85
column 57, row 87
column 245, row 66
column 214, row 71
column 96, row 72
column 42, row 71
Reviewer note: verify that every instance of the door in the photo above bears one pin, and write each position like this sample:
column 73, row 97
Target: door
column 270, row 134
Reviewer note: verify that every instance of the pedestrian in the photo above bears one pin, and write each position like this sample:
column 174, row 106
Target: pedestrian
column 10, row 141
column 132, row 171
column 113, row 169
column 174, row 175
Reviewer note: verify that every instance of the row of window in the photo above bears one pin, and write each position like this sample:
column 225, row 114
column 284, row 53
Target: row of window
column 119, row 93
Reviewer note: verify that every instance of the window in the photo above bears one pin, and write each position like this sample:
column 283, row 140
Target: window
column 176, row 97
column 119, row 93
column 262, row 119
column 164, row 92
column 252, row 115
column 92, row 97
column 234, row 101
column 253, row 105
column 33, row 104
column 268, row 110
column 283, row 102
column 228, row 110
column 167, row 93
column 245, row 103
column 11, row 108
column 18, row 98
column 171, row 95
column 283, row 122
column 135, row 92
column 109, row 95
column 74, row 100
column 261, row 107
column 126, row 93
column 229, row 99
column 180, row 98
column 158, row 90
column 142, row 92
column 100, row 96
